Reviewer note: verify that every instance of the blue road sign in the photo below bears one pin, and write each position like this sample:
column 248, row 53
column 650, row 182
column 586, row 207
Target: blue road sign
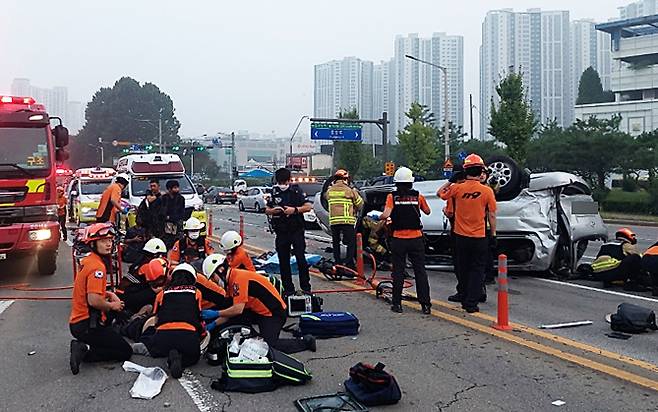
column 336, row 131
column 461, row 155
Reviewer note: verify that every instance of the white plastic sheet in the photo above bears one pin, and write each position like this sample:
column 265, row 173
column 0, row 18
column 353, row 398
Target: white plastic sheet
column 149, row 382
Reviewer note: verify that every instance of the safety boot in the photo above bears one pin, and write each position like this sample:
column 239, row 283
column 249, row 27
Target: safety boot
column 175, row 362
column 78, row 352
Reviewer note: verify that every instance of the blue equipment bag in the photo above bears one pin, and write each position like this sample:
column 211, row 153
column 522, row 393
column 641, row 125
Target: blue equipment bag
column 328, row 324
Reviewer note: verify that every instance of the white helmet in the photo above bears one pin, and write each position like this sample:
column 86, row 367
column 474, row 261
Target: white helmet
column 122, row 176
column 184, row 267
column 230, row 240
column 155, row 246
column 211, row 263
column 403, row 175
column 192, row 224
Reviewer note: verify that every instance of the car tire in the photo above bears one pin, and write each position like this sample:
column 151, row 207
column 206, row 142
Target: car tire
column 240, row 206
column 47, row 262
column 507, row 174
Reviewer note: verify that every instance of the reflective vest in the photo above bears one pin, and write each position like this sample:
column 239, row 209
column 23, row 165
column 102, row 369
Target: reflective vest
column 343, row 204
column 191, row 250
column 609, row 257
column 179, row 304
column 406, row 211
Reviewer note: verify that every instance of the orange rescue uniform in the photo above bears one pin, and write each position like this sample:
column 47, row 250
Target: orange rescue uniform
column 240, row 259
column 408, row 233
column 90, row 279
column 112, row 193
column 175, row 325
column 471, row 202
column 255, row 291
column 175, row 253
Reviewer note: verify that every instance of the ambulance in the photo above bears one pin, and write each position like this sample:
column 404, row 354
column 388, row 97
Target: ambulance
column 142, row 168
column 85, row 191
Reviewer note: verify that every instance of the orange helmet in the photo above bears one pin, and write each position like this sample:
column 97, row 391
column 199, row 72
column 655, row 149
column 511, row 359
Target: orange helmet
column 626, row 233
column 473, row 160
column 342, row 174
column 156, row 269
column 99, row 231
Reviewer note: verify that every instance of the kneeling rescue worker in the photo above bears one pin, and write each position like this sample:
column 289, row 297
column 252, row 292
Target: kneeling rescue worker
column 619, row 260
column 238, row 258
column 650, row 265
column 178, row 327
column 255, row 301
column 403, row 206
column 193, row 246
column 90, row 303
column 138, row 291
column 474, row 204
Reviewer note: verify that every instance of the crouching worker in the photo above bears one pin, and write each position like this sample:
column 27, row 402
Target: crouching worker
column 618, row 260
column 238, row 258
column 255, row 301
column 193, row 246
column 90, row 303
column 178, row 327
column 135, row 288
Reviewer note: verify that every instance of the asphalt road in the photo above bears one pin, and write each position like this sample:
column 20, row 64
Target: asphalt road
column 447, row 361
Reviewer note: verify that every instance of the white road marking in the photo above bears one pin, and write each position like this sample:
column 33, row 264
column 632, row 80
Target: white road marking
column 609, row 292
column 203, row 400
column 318, row 238
column 4, row 304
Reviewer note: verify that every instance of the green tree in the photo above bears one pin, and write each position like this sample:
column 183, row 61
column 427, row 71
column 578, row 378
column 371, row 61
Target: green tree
column 418, row 141
column 120, row 113
column 370, row 166
column 456, row 140
column 348, row 155
column 590, row 89
column 513, row 122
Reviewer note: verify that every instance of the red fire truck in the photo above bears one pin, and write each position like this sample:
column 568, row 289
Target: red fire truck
column 28, row 158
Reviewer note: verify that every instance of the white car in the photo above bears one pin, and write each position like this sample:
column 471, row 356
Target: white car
column 240, row 187
column 255, row 199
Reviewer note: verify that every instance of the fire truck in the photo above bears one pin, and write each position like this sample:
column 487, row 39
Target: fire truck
column 28, row 196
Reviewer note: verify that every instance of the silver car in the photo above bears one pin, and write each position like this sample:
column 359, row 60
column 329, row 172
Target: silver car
column 255, row 199
column 546, row 226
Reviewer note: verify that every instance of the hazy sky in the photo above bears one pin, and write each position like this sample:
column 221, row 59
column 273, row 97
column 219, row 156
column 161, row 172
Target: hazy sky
column 233, row 65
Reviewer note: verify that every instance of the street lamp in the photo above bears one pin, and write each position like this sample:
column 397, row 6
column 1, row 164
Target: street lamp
column 159, row 128
column 295, row 132
column 446, row 129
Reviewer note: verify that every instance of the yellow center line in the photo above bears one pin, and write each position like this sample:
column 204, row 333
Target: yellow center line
column 510, row 337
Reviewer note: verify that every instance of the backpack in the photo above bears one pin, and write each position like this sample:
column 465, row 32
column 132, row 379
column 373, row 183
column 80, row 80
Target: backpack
column 633, row 319
column 288, row 370
column 328, row 324
column 373, row 386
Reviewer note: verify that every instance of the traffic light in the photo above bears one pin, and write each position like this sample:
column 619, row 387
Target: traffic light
column 148, row 147
column 199, row 148
column 125, row 150
column 175, row 148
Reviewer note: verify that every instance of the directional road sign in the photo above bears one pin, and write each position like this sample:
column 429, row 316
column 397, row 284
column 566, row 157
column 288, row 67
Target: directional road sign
column 336, row 131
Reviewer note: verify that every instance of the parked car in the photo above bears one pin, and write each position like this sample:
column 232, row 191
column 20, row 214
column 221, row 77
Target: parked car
column 240, row 186
column 220, row 195
column 255, row 199
column 544, row 220
column 209, row 195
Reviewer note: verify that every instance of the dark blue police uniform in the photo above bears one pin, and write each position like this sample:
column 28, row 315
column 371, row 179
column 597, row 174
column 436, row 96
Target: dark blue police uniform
column 289, row 230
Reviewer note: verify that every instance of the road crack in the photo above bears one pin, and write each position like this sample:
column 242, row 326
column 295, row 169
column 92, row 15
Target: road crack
column 387, row 348
column 456, row 397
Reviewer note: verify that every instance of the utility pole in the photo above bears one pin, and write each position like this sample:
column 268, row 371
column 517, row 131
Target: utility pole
column 384, row 127
column 234, row 174
column 192, row 162
column 160, row 131
column 470, row 98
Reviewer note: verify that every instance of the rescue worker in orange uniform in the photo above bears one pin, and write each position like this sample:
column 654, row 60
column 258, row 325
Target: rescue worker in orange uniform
column 61, row 211
column 110, row 203
column 445, row 193
column 139, row 289
column 94, row 339
column 474, row 204
column 178, row 327
column 213, row 295
column 650, row 265
column 193, row 246
column 403, row 207
column 255, row 301
column 238, row 258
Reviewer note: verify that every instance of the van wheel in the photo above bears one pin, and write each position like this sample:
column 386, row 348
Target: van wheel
column 506, row 175
column 47, row 262
column 241, row 206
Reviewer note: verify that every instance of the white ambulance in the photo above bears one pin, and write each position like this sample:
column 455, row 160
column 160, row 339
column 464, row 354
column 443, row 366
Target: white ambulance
column 85, row 190
column 143, row 168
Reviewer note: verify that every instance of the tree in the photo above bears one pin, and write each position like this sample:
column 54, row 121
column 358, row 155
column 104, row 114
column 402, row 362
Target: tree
column 418, row 141
column 348, row 155
column 512, row 122
column 121, row 113
column 590, row 89
column 455, row 140
column 370, row 165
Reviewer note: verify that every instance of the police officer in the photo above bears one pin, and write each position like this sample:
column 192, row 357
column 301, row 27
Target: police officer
column 403, row 207
column 619, row 260
column 344, row 202
column 193, row 246
column 255, row 301
column 110, row 203
column 286, row 208
column 94, row 339
column 474, row 204
column 178, row 328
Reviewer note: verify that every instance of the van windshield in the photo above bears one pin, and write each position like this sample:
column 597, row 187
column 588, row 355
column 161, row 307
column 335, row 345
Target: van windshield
column 95, row 187
column 139, row 185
